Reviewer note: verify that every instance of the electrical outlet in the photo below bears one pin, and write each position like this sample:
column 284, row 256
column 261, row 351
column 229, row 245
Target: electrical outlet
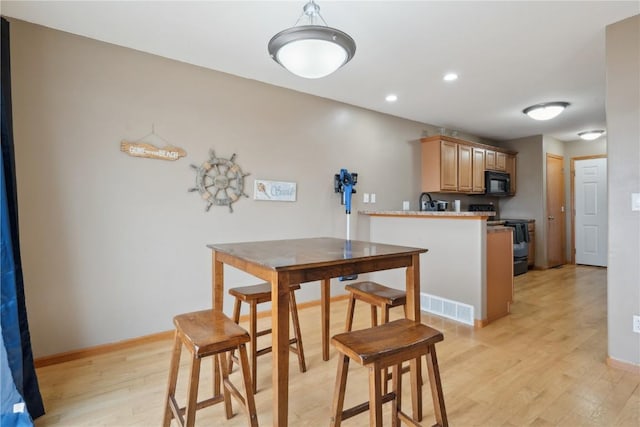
column 636, row 324
column 373, row 197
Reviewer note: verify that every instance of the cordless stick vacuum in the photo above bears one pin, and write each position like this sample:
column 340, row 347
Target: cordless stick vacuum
column 345, row 183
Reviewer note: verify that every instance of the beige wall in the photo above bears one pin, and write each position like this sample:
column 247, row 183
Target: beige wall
column 113, row 246
column 623, row 134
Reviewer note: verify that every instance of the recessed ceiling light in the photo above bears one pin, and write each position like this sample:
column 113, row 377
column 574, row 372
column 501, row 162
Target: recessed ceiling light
column 590, row 135
column 545, row 111
column 449, row 77
column 391, row 98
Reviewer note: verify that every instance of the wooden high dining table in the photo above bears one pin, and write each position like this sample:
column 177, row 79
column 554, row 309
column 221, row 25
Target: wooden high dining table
column 285, row 262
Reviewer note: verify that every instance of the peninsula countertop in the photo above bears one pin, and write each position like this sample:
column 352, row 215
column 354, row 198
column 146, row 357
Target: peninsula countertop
column 431, row 214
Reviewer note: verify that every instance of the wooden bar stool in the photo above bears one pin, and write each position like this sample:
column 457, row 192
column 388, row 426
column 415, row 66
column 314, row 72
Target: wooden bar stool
column 376, row 295
column 385, row 298
column 254, row 295
column 208, row 333
column 384, row 346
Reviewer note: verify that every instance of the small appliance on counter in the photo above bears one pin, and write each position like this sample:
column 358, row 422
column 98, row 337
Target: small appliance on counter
column 430, row 204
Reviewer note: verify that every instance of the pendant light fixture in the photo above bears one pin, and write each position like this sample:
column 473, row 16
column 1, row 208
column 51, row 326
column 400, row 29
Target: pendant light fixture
column 311, row 50
column 545, row 111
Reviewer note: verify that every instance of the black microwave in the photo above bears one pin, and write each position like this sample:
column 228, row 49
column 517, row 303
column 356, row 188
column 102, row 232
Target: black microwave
column 497, row 183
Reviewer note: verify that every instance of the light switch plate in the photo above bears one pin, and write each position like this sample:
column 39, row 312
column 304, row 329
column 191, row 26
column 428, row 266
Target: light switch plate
column 373, row 197
column 365, row 198
column 635, row 201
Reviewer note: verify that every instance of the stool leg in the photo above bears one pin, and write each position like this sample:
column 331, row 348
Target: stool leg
column 338, row 393
column 396, row 377
column 253, row 332
column 374, row 315
column 375, row 396
column 250, row 402
column 173, row 379
column 416, row 388
column 224, row 373
column 192, row 394
column 236, row 318
column 296, row 331
column 436, row 387
column 384, row 313
column 350, row 309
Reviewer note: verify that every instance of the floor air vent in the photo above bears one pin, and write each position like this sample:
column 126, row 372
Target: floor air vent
column 447, row 308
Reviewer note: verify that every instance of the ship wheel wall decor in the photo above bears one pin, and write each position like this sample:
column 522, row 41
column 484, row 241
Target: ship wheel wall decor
column 219, row 181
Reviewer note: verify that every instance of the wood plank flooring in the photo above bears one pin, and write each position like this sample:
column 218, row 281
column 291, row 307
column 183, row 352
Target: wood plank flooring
column 543, row 365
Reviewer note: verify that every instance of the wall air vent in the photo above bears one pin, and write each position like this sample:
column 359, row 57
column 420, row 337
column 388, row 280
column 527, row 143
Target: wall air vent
column 447, row 308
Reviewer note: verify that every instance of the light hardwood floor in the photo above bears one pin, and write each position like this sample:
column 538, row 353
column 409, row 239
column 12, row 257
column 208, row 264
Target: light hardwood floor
column 543, row 365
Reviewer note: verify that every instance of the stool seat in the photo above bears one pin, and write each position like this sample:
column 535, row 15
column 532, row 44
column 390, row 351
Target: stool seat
column 384, row 342
column 378, row 294
column 388, row 346
column 209, row 332
column 259, row 293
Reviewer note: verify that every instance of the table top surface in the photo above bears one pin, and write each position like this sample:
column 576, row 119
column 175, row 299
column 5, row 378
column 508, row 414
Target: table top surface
column 300, row 253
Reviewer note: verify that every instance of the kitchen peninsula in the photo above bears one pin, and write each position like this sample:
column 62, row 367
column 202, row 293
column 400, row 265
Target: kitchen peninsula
column 467, row 275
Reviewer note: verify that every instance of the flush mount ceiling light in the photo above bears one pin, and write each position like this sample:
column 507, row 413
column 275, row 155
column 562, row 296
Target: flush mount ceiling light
column 545, row 111
column 590, row 135
column 311, row 50
column 391, row 98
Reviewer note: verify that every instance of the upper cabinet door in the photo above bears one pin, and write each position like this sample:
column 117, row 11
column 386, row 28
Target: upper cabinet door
column 478, row 170
column 449, row 166
column 501, row 161
column 465, row 170
column 490, row 160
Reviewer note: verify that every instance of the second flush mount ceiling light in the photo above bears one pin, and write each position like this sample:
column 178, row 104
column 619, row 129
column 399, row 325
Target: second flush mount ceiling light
column 545, row 111
column 311, row 50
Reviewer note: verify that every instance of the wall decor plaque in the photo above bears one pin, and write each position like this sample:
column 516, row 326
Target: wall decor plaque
column 219, row 181
column 278, row 191
column 143, row 149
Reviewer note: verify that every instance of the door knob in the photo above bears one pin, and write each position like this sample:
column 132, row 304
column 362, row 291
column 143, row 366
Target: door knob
column 550, row 218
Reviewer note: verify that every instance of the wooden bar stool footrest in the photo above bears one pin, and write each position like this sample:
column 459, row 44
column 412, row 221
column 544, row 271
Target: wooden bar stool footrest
column 364, row 407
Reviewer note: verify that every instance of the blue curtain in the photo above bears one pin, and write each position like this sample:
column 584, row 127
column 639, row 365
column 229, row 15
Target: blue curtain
column 18, row 382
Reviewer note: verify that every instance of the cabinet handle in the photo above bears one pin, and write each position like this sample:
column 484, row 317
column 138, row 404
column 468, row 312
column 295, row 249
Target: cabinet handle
column 551, row 218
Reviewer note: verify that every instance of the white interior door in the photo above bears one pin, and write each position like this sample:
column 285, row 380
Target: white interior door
column 591, row 211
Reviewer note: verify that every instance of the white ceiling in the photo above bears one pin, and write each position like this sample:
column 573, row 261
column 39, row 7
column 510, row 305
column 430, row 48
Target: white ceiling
column 509, row 55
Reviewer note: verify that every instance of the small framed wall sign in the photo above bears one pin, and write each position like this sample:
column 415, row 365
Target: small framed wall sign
column 277, row 191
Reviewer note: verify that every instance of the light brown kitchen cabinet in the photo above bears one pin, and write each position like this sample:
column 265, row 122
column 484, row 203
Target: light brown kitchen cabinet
column 531, row 256
column 490, row 160
column 465, row 168
column 501, row 161
column 478, row 170
column 451, row 165
column 439, row 165
column 499, row 273
column 495, row 160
